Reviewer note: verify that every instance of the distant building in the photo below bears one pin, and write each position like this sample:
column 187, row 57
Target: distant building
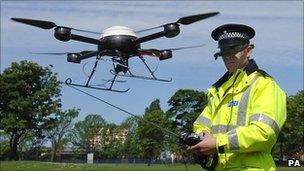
column 105, row 137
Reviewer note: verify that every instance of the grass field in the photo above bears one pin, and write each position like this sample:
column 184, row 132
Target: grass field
column 47, row 166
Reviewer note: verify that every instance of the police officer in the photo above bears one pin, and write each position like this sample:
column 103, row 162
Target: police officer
column 246, row 108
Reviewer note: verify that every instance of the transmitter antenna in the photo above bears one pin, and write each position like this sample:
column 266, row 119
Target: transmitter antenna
column 124, row 111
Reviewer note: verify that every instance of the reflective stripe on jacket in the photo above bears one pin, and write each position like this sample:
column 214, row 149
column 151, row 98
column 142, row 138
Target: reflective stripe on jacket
column 245, row 114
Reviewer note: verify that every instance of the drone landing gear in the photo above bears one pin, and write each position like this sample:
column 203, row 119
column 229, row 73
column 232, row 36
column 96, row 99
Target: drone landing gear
column 69, row 82
column 140, row 77
column 123, row 67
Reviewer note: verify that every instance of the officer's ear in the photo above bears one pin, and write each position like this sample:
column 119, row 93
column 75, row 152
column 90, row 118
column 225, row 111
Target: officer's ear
column 249, row 49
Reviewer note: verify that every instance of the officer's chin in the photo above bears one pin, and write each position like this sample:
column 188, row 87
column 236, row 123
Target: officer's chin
column 230, row 67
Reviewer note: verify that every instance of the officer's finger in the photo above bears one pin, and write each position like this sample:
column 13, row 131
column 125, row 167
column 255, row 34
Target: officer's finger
column 194, row 147
column 207, row 152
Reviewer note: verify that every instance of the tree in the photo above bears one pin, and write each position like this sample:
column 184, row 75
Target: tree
column 29, row 95
column 4, row 145
column 292, row 135
column 151, row 138
column 30, row 146
column 84, row 132
column 186, row 105
column 130, row 146
column 62, row 126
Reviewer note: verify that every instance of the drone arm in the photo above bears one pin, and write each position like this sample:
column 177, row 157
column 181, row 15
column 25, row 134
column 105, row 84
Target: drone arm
column 161, row 54
column 150, row 37
column 84, row 39
column 88, row 55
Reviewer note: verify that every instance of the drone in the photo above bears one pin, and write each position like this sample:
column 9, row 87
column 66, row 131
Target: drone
column 120, row 43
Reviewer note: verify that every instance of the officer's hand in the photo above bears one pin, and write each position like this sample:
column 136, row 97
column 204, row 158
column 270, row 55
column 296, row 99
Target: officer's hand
column 206, row 147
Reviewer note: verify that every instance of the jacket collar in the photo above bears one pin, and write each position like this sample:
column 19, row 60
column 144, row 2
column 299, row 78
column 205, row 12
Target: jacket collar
column 249, row 68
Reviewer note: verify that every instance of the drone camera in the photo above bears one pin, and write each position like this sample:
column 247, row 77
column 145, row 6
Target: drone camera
column 165, row 54
column 62, row 33
column 171, row 30
column 73, row 57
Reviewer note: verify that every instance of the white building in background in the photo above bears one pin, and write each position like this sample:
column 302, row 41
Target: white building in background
column 104, row 137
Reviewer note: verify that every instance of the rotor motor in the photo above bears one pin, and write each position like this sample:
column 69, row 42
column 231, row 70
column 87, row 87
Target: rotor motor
column 171, row 30
column 73, row 57
column 165, row 54
column 62, row 33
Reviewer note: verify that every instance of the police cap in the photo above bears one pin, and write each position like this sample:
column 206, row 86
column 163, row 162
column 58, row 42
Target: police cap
column 232, row 38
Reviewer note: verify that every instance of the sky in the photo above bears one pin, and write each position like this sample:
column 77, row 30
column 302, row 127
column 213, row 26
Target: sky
column 278, row 46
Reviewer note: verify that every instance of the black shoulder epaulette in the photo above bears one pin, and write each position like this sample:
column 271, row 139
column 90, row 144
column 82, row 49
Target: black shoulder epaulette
column 265, row 74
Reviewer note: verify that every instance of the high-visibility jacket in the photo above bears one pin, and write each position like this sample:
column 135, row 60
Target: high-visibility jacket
column 245, row 113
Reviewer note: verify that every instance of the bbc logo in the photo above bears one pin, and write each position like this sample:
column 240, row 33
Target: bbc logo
column 293, row 163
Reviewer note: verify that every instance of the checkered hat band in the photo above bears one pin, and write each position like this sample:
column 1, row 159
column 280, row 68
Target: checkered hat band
column 233, row 35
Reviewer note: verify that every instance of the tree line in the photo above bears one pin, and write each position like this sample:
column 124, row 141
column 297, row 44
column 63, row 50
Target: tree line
column 31, row 116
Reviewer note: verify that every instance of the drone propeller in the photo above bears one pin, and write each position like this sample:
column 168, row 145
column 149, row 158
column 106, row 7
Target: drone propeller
column 61, row 53
column 194, row 18
column 46, row 24
column 172, row 49
column 164, row 53
column 186, row 47
column 186, row 20
column 56, row 53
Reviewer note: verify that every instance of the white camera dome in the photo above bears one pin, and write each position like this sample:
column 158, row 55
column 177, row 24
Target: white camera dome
column 118, row 30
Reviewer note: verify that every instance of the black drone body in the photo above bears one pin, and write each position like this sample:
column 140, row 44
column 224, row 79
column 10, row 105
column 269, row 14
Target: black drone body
column 120, row 43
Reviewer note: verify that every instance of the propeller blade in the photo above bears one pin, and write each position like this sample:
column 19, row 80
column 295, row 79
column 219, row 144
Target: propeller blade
column 59, row 53
column 62, row 53
column 194, row 18
column 46, row 24
column 158, row 53
column 186, row 47
column 37, row 23
column 139, row 31
column 86, row 31
column 185, row 20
